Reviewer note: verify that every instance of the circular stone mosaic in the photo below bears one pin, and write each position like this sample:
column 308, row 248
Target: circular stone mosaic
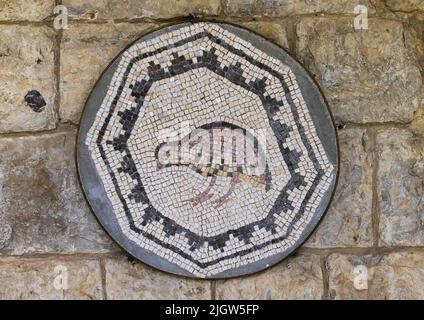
column 207, row 151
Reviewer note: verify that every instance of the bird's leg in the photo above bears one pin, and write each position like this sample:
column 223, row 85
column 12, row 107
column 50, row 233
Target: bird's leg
column 203, row 196
column 221, row 200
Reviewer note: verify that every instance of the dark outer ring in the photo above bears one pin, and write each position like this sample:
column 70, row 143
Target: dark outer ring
column 96, row 194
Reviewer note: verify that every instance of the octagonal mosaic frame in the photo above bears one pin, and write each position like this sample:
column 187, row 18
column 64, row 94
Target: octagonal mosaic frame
column 300, row 91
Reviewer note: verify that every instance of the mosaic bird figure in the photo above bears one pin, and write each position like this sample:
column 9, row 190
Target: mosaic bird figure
column 218, row 149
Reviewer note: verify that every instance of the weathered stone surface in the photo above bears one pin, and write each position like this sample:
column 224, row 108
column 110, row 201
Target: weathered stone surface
column 284, row 8
column 26, row 63
column 342, row 271
column 125, row 280
column 86, row 51
column 405, row 5
column 132, row 9
column 40, row 198
column 275, row 32
column 394, row 276
column 298, row 277
column 34, row 10
column 36, row 279
column 348, row 220
column 401, row 186
column 5, row 233
column 417, row 125
column 414, row 40
column 366, row 75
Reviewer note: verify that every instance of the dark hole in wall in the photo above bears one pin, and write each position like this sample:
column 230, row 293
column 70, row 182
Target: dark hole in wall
column 35, row 100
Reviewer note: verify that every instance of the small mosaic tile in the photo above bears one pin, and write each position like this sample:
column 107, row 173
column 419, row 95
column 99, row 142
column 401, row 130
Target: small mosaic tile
column 207, row 151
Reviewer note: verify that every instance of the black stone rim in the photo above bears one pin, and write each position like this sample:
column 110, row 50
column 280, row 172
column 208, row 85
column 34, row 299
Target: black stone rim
column 322, row 120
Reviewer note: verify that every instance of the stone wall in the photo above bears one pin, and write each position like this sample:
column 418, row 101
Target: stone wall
column 372, row 79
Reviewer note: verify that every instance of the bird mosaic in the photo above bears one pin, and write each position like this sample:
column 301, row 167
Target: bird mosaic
column 218, row 149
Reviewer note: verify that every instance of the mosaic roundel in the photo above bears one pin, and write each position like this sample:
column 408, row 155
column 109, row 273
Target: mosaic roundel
column 206, row 151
